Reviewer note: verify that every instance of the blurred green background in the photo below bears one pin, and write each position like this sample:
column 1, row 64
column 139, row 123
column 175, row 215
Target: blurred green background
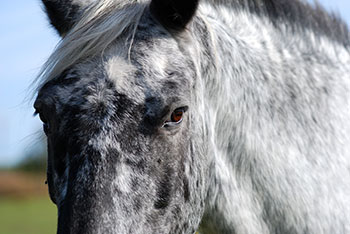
column 25, row 207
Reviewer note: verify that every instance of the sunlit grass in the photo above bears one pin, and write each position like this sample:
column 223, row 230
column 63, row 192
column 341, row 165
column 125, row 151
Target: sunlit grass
column 27, row 216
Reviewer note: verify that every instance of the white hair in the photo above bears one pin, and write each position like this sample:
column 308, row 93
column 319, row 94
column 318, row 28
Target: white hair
column 101, row 23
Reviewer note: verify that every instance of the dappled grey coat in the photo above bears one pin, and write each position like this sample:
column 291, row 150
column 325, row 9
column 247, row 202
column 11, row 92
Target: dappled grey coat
column 162, row 116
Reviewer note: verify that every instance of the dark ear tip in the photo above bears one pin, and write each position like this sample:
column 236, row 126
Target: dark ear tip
column 174, row 14
column 62, row 14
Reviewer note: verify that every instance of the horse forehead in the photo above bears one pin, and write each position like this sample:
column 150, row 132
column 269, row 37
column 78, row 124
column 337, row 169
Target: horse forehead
column 123, row 76
column 147, row 73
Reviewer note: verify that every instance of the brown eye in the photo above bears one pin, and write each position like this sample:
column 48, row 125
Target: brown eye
column 176, row 116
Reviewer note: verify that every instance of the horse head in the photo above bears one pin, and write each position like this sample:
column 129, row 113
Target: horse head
column 124, row 123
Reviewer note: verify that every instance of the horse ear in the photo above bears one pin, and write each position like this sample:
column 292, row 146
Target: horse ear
column 64, row 13
column 174, row 14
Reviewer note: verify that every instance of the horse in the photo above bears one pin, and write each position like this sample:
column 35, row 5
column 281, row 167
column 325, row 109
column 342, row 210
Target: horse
column 178, row 116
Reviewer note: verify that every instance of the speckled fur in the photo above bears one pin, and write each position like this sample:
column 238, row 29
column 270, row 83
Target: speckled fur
column 263, row 147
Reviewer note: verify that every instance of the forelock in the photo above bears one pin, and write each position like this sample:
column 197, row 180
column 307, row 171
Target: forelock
column 101, row 24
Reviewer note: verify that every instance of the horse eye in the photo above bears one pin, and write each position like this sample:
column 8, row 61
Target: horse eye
column 46, row 127
column 176, row 116
column 42, row 118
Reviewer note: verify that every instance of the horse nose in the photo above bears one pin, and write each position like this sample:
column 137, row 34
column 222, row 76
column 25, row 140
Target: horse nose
column 69, row 224
column 64, row 220
column 79, row 213
column 84, row 221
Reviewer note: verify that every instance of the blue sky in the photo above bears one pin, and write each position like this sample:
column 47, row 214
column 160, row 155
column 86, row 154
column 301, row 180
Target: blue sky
column 26, row 40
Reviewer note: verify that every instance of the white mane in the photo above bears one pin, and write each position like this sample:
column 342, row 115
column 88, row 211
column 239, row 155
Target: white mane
column 101, row 23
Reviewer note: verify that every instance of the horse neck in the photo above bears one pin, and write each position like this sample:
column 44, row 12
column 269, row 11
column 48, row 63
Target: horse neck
column 256, row 78
column 248, row 60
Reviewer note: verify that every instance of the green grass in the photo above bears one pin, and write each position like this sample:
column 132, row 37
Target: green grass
column 27, row 216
